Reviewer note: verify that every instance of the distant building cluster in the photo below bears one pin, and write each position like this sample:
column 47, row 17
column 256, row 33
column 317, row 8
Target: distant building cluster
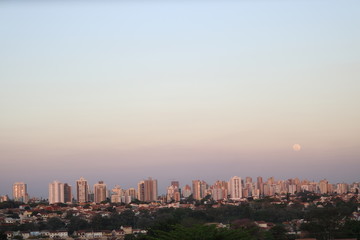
column 235, row 189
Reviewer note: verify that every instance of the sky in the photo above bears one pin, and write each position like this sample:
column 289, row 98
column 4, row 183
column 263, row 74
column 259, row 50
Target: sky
column 178, row 90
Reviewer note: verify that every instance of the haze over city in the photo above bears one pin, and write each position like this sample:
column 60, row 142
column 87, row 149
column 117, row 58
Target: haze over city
column 120, row 91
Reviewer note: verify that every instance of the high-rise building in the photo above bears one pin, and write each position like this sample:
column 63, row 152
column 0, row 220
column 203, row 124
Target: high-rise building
column 173, row 192
column 141, row 191
column 4, row 198
column 342, row 188
column 20, row 192
column 82, row 190
column 324, row 186
column 248, row 180
column 175, row 184
column 129, row 195
column 131, row 192
column 260, row 186
column 147, row 190
column 186, row 191
column 67, row 193
column 116, row 194
column 196, row 189
column 56, row 192
column 270, row 181
column 99, row 192
column 235, row 188
column 219, row 190
column 151, row 190
column 200, row 189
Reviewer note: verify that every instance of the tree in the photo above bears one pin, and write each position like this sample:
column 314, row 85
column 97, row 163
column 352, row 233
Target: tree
column 3, row 236
column 323, row 223
column 201, row 232
column 99, row 223
column 55, row 223
column 130, row 237
column 351, row 229
column 10, row 204
column 278, row 232
column 77, row 223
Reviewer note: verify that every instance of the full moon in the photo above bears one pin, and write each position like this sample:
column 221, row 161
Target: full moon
column 296, row 147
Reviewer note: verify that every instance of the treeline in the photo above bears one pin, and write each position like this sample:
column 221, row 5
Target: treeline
column 325, row 221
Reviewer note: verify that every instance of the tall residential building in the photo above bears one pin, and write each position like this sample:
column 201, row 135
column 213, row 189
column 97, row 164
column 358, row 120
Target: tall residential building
column 67, row 193
column 270, row 181
column 20, row 192
column 4, row 198
column 99, row 192
column 56, row 192
column 324, row 186
column 199, row 189
column 248, row 180
column 196, row 189
column 131, row 192
column 147, row 190
column 260, row 186
column 116, row 194
column 141, row 191
column 82, row 190
column 235, row 188
column 219, row 190
column 173, row 192
column 151, row 190
column 342, row 188
column 186, row 191
column 175, row 184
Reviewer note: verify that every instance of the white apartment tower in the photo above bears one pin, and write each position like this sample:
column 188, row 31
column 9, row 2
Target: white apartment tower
column 20, row 192
column 99, row 192
column 56, row 192
column 82, row 190
column 235, row 188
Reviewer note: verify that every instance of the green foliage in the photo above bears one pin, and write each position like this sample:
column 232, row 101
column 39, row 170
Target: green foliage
column 130, row 237
column 107, row 200
column 200, row 232
column 351, row 229
column 28, row 227
column 307, row 196
column 77, row 223
column 324, row 223
column 115, row 221
column 278, row 232
column 10, row 204
column 3, row 236
column 167, row 223
column 99, row 223
column 249, row 226
column 55, row 223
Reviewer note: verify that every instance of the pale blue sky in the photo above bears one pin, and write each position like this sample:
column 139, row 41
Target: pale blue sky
column 124, row 90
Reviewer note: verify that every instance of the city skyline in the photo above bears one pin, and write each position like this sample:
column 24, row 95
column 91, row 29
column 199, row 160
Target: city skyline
column 147, row 190
column 119, row 91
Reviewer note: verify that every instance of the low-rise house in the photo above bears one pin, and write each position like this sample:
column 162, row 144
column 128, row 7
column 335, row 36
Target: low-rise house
column 9, row 235
column 25, row 235
column 118, row 233
column 45, row 233
column 10, row 220
column 138, row 231
column 58, row 234
column 127, row 229
column 88, row 234
column 264, row 225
